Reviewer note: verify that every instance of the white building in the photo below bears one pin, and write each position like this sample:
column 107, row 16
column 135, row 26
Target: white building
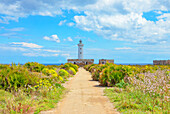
column 80, row 61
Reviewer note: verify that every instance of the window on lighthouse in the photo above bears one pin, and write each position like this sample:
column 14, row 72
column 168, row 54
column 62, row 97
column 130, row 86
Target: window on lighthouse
column 80, row 52
column 80, row 48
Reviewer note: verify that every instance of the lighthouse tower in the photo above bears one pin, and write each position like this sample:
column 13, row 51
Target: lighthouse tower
column 80, row 50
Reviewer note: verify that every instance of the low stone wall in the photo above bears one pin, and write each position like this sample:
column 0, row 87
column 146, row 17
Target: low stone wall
column 161, row 62
column 81, row 62
column 104, row 61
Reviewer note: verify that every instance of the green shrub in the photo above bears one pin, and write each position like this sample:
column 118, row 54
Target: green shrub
column 15, row 77
column 72, row 70
column 96, row 72
column 73, row 66
column 4, row 66
column 46, row 71
column 68, row 65
column 122, row 84
column 63, row 73
column 34, row 66
column 51, row 71
column 114, row 74
column 87, row 67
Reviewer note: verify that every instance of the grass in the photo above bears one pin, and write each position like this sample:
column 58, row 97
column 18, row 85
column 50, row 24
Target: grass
column 131, row 101
column 21, row 102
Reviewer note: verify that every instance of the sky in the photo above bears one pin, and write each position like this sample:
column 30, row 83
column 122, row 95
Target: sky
column 48, row 31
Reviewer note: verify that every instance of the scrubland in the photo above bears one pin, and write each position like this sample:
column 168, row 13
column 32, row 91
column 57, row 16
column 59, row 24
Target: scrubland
column 32, row 87
column 135, row 89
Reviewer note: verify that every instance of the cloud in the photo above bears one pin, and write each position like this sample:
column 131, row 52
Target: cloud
column 70, row 24
column 49, row 50
column 62, row 22
column 123, row 48
column 68, row 39
column 30, row 52
column 124, row 21
column 25, row 44
column 67, row 55
column 39, row 54
column 13, row 48
column 112, row 19
column 6, row 19
column 16, row 29
column 14, row 9
column 52, row 38
column 8, row 34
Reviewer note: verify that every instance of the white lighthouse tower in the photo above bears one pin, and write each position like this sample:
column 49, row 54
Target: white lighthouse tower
column 80, row 50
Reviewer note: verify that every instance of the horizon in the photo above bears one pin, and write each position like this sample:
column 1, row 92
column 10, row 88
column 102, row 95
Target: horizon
column 93, row 63
column 49, row 31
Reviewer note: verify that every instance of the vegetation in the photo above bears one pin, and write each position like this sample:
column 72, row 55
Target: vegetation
column 32, row 87
column 34, row 66
column 136, row 89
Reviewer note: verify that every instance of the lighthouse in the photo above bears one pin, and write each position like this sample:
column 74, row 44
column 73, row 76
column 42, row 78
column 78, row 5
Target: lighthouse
column 80, row 61
column 80, row 50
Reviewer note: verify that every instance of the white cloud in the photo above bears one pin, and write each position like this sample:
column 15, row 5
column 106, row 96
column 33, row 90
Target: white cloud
column 158, row 12
column 39, row 54
column 62, row 22
column 6, row 19
column 8, row 34
column 124, row 22
column 32, row 52
column 67, row 55
column 113, row 19
column 16, row 29
column 165, row 16
column 24, row 8
column 25, row 44
column 49, row 50
column 52, row 38
column 123, row 48
column 13, row 48
column 68, row 39
column 70, row 24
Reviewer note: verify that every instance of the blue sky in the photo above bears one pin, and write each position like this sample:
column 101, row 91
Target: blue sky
column 128, row 31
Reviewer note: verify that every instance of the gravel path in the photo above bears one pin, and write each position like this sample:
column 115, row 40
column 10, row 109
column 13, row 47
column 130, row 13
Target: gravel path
column 84, row 97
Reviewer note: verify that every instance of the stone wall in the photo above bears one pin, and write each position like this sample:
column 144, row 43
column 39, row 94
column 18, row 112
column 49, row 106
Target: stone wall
column 81, row 62
column 104, row 61
column 161, row 62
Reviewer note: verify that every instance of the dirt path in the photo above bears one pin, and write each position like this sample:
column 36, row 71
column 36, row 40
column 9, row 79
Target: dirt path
column 84, row 97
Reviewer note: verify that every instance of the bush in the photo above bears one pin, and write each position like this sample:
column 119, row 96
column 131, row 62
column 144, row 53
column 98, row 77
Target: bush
column 4, row 66
column 49, row 72
column 96, row 72
column 122, row 84
column 68, row 65
column 63, row 73
column 34, row 66
column 114, row 74
column 73, row 66
column 72, row 70
column 46, row 71
column 15, row 77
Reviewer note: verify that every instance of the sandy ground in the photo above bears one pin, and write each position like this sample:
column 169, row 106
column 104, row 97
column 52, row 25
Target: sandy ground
column 84, row 97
